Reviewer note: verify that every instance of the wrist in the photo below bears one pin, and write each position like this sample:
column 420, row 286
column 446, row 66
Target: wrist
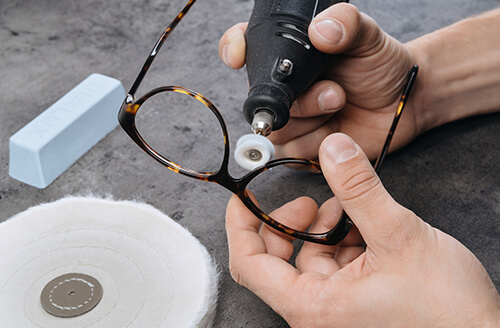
column 424, row 116
column 459, row 71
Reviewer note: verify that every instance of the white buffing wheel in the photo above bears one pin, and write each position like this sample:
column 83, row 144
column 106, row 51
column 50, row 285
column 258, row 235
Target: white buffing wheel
column 253, row 150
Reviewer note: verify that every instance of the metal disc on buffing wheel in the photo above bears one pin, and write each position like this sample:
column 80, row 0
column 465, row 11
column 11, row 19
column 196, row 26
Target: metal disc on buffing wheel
column 71, row 295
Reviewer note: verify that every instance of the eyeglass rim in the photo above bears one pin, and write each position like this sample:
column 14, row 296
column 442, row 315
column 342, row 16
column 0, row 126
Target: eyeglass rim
column 127, row 116
column 222, row 176
column 131, row 106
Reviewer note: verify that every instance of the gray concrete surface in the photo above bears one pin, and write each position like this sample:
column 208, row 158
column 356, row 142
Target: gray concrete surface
column 448, row 176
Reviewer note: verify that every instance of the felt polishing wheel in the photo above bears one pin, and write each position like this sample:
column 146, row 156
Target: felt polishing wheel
column 253, row 151
column 139, row 267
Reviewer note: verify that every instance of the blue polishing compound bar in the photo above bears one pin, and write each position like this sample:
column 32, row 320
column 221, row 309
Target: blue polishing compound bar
column 49, row 144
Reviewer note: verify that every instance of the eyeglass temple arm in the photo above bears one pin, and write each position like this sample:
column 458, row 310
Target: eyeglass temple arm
column 338, row 233
column 156, row 49
column 402, row 102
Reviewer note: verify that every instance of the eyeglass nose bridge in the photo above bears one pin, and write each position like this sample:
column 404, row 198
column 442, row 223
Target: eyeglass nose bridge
column 222, row 176
column 238, row 187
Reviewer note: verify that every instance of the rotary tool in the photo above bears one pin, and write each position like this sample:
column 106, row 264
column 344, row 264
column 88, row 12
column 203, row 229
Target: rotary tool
column 281, row 61
column 281, row 64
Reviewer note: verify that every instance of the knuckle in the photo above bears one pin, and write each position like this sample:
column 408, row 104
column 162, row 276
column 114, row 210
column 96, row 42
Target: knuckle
column 360, row 183
column 402, row 230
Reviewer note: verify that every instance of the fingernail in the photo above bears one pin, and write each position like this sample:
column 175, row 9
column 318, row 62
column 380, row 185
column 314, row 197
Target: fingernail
column 340, row 148
column 226, row 54
column 328, row 101
column 330, row 30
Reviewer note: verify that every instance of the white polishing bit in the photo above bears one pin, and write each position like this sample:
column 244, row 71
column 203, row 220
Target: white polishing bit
column 253, row 150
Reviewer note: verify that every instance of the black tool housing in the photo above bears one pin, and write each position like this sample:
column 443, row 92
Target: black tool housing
column 281, row 61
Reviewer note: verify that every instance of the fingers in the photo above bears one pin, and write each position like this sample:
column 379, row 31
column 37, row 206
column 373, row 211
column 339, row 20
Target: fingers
column 381, row 221
column 297, row 214
column 297, row 127
column 342, row 28
column 323, row 97
column 328, row 259
column 232, row 46
column 319, row 258
column 251, row 266
column 289, row 143
column 310, row 111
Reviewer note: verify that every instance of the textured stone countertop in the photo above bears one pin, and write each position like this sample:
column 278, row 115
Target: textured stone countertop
column 449, row 176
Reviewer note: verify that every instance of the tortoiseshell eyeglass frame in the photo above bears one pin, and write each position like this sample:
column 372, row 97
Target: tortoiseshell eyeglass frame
column 131, row 105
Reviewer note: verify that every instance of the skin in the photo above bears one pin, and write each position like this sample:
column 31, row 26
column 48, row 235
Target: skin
column 359, row 92
column 409, row 275
column 393, row 269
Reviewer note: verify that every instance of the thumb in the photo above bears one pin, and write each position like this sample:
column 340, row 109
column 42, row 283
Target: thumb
column 379, row 218
column 342, row 28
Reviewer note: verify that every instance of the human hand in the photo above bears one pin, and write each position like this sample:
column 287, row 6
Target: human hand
column 409, row 274
column 365, row 81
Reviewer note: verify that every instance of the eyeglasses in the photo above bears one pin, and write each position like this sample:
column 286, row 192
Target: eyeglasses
column 238, row 186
